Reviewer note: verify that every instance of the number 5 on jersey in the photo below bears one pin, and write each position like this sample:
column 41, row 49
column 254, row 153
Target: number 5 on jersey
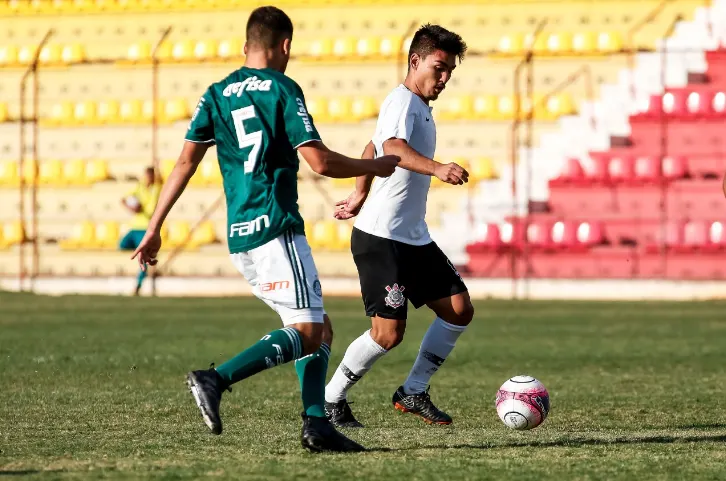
column 253, row 139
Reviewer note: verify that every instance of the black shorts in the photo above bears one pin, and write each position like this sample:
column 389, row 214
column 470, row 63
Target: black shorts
column 391, row 273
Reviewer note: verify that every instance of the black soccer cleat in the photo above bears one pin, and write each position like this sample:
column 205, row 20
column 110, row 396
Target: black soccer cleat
column 340, row 415
column 319, row 435
column 207, row 386
column 420, row 404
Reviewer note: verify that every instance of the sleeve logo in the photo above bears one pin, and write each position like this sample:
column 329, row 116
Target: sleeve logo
column 303, row 113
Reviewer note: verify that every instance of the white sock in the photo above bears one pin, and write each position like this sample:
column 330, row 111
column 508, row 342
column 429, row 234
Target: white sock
column 358, row 360
column 435, row 347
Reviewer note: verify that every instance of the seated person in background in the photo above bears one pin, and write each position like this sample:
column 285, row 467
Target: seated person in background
column 141, row 202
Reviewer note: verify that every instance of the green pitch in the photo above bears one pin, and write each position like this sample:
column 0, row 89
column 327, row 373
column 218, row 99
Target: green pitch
column 92, row 388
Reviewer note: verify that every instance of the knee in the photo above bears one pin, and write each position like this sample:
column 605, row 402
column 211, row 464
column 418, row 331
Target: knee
column 311, row 335
column 388, row 338
column 462, row 315
column 327, row 331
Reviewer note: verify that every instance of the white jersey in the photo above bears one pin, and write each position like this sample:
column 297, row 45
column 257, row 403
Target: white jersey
column 396, row 206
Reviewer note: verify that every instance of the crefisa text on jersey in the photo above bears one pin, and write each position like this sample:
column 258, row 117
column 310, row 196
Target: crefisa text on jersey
column 249, row 84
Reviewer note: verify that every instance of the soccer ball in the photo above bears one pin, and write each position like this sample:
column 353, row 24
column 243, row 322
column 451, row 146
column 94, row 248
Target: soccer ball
column 132, row 202
column 522, row 403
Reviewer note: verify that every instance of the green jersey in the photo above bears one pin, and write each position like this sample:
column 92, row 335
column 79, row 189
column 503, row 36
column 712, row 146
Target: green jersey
column 257, row 118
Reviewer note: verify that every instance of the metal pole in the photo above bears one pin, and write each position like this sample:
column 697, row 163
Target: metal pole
column 155, row 122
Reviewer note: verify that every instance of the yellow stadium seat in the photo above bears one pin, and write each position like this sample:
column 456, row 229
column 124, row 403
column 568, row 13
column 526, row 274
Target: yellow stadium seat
column 343, row 233
column 107, row 235
column 74, row 172
column 30, row 169
column 584, row 42
column 61, row 113
column 512, row 44
column 82, row 236
column 164, row 52
column 481, row 168
column 344, row 47
column 147, row 111
column 325, row 234
column 26, row 54
column 4, row 114
column 559, row 105
column 9, row 173
column 321, row 48
column 139, row 52
column 505, row 109
column 203, row 235
column 8, row 55
column 73, row 53
column 609, row 42
column 368, row 47
column 51, row 172
column 178, row 233
column 390, row 47
column 456, row 108
column 50, row 54
column 340, row 109
column 229, row 49
column 484, row 106
column 364, row 108
column 85, row 113
column 210, row 173
column 540, row 42
column 318, row 109
column 108, row 112
column 175, row 110
column 167, row 165
column 309, row 231
column 560, row 43
column 205, row 49
column 13, row 233
column 130, row 111
column 183, row 51
column 347, row 182
column 97, row 171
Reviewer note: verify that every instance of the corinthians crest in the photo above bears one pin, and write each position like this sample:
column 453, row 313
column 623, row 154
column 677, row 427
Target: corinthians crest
column 395, row 297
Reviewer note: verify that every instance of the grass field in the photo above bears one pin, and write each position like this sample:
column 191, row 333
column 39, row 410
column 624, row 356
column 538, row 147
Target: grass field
column 93, row 389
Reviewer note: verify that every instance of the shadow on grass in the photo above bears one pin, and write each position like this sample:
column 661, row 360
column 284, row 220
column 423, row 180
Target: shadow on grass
column 25, row 472
column 568, row 443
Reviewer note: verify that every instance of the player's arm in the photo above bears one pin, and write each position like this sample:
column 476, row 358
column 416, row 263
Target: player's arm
column 451, row 173
column 329, row 163
column 363, row 183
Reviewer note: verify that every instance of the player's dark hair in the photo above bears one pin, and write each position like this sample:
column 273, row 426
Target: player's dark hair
column 267, row 27
column 430, row 38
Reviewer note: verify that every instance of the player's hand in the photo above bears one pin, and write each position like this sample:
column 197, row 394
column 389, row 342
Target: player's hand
column 350, row 207
column 452, row 173
column 148, row 249
column 384, row 166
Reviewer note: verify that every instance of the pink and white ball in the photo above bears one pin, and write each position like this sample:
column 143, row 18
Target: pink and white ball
column 522, row 403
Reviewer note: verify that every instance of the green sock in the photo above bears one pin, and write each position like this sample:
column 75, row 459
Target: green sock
column 278, row 347
column 311, row 371
column 140, row 278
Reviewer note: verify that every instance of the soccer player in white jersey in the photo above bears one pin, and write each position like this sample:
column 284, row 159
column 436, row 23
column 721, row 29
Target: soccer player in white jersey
column 396, row 259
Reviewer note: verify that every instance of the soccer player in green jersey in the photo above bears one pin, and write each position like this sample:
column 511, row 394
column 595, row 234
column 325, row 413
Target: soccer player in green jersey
column 258, row 119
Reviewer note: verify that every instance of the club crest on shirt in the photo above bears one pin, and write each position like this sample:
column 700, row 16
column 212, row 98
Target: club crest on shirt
column 395, row 297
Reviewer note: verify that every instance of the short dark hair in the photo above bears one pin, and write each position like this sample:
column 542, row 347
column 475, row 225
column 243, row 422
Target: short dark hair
column 435, row 37
column 268, row 26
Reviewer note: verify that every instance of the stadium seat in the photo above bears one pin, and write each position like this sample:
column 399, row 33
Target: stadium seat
column 203, row 235
column 368, row 47
column 107, row 235
column 390, row 47
column 321, row 48
column 344, row 48
column 4, row 114
column 8, row 55
column 178, row 233
column 9, row 174
column 324, row 235
column 73, row 53
column 670, row 237
column 718, row 104
column 50, row 54
column 717, row 235
column 512, row 234
column 571, row 173
column 487, row 238
column 318, row 109
column 559, row 43
column 590, row 234
column 505, row 108
column 364, row 108
column 511, row 44
column 342, row 237
column 695, row 235
column 675, row 167
column 564, row 234
column 97, row 171
column 83, row 236
column 608, row 42
column 139, row 51
column 74, row 172
column 210, row 173
column 26, row 54
column 646, row 169
column 51, row 172
column 621, row 169
column 175, row 110
column 229, row 49
column 481, row 168
column 674, row 103
column 167, row 165
column 84, row 113
column 456, row 108
column 108, row 112
column 183, row 51
column 130, row 111
column 61, row 114
column 484, row 107
column 29, row 170
column 340, row 109
column 205, row 49
column 539, row 234
column 13, row 233
column 558, row 105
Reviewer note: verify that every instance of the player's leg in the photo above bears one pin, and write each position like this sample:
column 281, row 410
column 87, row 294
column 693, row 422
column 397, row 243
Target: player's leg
column 444, row 292
column 131, row 241
column 386, row 305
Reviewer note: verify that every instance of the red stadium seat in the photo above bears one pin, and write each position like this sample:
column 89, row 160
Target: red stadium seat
column 646, row 169
column 654, row 107
column 674, row 103
column 717, row 235
column 600, row 162
column 571, row 173
column 590, row 234
column 718, row 104
column 621, row 169
column 564, row 234
column 670, row 238
column 538, row 234
column 487, row 239
column 697, row 105
column 675, row 167
column 511, row 234
column 695, row 235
